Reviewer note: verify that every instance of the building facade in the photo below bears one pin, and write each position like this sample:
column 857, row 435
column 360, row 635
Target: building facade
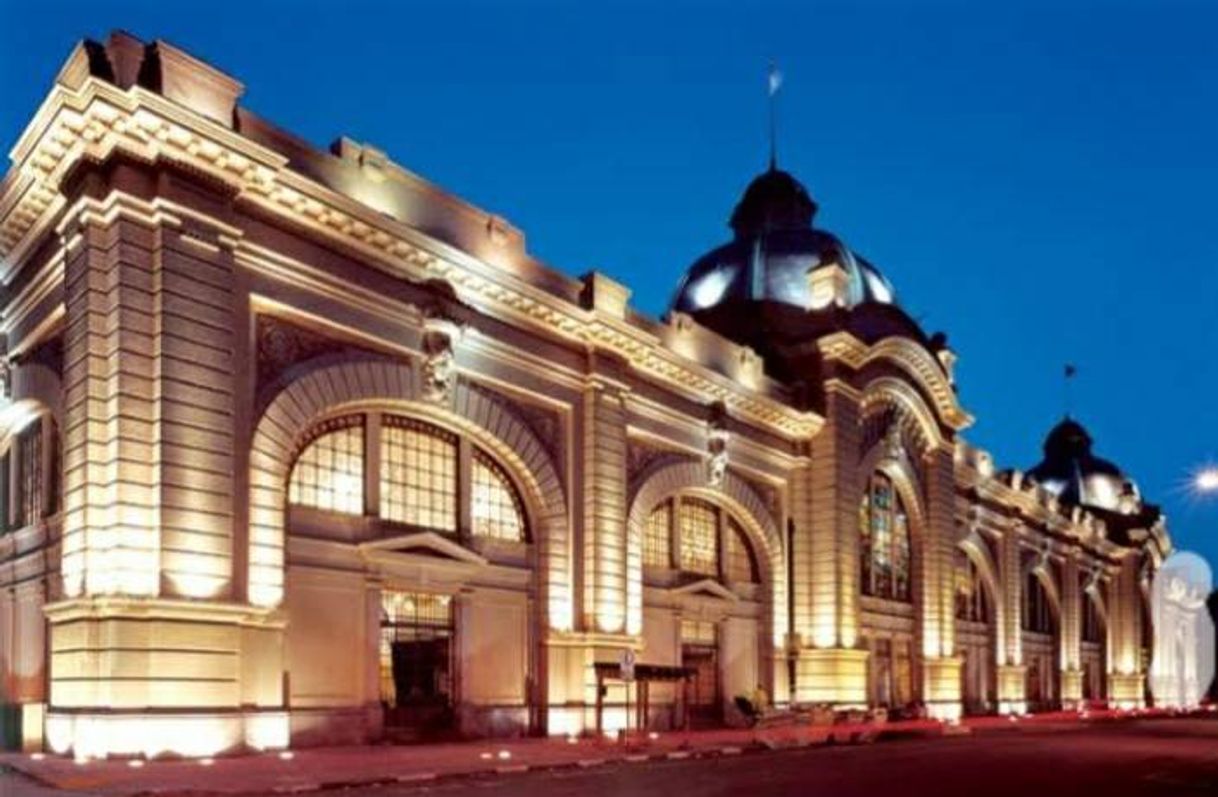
column 298, row 448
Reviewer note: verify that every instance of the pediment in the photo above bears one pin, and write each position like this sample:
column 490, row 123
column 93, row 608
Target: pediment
column 706, row 588
column 421, row 545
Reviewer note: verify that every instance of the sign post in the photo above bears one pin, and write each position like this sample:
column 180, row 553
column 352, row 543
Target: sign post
column 626, row 668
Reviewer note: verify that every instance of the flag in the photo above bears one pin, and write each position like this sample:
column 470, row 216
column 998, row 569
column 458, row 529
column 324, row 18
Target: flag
column 775, row 80
column 1070, row 370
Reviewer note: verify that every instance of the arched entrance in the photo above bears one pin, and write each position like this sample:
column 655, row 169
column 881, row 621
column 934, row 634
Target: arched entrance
column 708, row 581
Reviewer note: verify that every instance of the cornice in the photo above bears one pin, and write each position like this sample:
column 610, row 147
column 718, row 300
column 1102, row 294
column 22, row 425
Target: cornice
column 97, row 119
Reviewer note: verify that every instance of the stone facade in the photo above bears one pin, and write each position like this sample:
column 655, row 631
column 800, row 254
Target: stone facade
column 195, row 303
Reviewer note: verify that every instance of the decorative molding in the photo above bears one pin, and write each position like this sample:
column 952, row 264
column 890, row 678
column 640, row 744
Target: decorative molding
column 97, row 119
column 910, row 357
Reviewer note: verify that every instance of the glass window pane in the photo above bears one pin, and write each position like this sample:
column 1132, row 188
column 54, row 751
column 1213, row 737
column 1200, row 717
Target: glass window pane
column 418, row 474
column 657, row 537
column 329, row 472
column 495, row 509
column 741, row 564
column 29, row 453
column 698, row 527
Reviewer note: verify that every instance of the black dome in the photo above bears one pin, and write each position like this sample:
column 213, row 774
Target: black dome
column 1072, row 472
column 774, row 248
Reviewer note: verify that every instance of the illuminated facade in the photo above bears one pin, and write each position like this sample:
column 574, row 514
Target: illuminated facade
column 298, row 448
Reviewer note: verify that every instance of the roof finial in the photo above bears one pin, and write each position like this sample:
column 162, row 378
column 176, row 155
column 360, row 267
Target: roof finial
column 775, row 83
column 1069, row 373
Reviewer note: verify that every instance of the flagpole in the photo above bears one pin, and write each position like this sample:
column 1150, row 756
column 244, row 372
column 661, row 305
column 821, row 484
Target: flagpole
column 772, row 85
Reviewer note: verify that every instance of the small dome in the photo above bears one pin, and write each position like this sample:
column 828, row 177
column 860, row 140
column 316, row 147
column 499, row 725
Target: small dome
column 774, row 248
column 1078, row 477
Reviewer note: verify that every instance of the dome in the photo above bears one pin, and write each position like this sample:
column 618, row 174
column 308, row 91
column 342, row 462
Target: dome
column 1078, row 477
column 773, row 249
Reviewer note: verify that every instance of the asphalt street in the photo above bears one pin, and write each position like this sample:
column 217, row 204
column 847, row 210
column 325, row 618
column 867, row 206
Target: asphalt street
column 1152, row 757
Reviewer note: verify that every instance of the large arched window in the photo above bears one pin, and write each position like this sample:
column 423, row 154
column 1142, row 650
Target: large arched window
column 1037, row 610
column 884, row 541
column 420, row 476
column 1092, row 630
column 699, row 538
column 329, row 471
column 972, row 601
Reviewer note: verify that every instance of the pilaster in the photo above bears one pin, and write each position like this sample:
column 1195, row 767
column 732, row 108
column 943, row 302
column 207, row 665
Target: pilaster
column 606, row 588
column 829, row 668
column 1071, row 657
column 1011, row 671
column 941, row 667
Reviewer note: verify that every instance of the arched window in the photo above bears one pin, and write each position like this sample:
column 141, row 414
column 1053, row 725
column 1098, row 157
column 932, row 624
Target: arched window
column 329, row 471
column 1092, row 630
column 1037, row 611
column 884, row 541
column 707, row 541
column 972, row 601
column 495, row 509
column 741, row 563
column 418, row 474
column 657, row 537
column 698, row 535
column 427, row 478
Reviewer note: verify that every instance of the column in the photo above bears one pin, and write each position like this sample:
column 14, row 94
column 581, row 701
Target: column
column 148, row 628
column 1071, row 631
column 940, row 664
column 1012, row 671
column 830, row 668
column 1126, row 678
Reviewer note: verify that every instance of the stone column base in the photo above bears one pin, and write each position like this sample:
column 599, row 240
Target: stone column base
column 571, row 682
column 152, row 676
column 1126, row 690
column 1011, row 696
column 148, row 735
column 941, row 687
column 1072, row 689
column 837, row 676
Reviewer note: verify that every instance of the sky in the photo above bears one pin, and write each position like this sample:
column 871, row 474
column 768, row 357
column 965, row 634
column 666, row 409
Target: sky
column 1036, row 179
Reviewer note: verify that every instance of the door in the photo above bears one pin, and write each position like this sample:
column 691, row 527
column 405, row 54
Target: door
column 703, row 688
column 416, row 664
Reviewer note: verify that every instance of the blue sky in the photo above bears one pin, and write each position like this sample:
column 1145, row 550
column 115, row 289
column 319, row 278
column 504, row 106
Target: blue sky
column 1036, row 179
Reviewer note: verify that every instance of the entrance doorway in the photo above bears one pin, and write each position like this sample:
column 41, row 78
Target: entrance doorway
column 416, row 664
column 700, row 653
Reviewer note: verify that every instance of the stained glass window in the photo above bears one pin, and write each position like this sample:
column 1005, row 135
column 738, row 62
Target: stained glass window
column 697, row 523
column 884, row 548
column 329, row 472
column 741, row 564
column 972, row 601
column 418, row 474
column 657, row 536
column 495, row 509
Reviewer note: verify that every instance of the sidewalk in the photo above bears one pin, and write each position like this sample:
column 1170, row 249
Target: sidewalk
column 311, row 769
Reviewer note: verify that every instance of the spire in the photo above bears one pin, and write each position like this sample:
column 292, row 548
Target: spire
column 774, row 83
